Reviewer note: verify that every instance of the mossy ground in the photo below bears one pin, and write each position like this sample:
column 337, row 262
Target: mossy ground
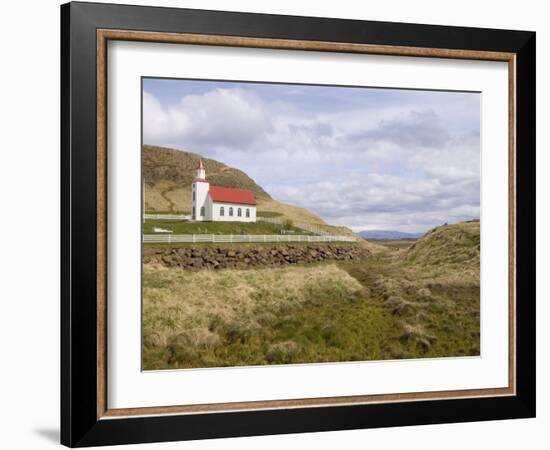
column 391, row 306
column 264, row 316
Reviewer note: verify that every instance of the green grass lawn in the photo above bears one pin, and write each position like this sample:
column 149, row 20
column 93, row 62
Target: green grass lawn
column 185, row 227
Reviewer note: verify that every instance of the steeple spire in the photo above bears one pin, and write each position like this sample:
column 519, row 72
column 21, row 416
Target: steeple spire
column 200, row 172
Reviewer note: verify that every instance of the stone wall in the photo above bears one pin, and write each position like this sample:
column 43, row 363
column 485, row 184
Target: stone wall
column 214, row 257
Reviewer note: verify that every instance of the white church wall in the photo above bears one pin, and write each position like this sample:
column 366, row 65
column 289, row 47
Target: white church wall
column 216, row 216
column 209, row 208
column 201, row 195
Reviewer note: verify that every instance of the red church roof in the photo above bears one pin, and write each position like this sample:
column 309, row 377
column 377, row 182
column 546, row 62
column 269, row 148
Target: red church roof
column 231, row 195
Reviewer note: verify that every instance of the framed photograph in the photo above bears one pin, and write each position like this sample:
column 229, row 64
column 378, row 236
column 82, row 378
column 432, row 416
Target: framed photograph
column 276, row 224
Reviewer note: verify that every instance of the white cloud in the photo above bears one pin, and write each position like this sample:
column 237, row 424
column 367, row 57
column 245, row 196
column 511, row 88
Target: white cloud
column 405, row 166
column 376, row 200
column 222, row 118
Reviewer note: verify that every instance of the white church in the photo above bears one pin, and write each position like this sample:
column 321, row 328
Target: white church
column 220, row 204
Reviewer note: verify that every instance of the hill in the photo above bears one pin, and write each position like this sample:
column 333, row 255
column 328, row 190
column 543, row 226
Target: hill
column 453, row 246
column 388, row 235
column 168, row 174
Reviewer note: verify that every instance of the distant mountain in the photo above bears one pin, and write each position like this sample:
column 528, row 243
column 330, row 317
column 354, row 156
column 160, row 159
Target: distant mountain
column 389, row 235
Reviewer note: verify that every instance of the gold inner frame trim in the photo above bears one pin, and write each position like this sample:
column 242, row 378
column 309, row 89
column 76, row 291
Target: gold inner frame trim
column 104, row 35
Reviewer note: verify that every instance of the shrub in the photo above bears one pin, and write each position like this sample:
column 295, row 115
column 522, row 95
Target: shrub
column 288, row 224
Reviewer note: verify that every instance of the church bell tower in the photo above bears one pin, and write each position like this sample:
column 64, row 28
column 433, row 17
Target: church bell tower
column 199, row 189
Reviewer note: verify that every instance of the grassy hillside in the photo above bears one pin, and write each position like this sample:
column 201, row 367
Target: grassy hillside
column 454, row 245
column 417, row 302
column 168, row 175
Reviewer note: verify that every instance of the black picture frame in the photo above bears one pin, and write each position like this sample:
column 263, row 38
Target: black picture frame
column 80, row 425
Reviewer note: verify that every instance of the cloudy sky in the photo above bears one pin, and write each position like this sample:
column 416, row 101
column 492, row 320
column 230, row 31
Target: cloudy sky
column 364, row 158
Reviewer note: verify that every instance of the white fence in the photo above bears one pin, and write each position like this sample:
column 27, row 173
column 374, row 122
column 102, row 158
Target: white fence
column 237, row 238
column 167, row 217
column 302, row 226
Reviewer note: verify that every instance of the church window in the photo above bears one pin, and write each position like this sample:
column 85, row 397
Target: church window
column 222, row 212
column 193, row 195
column 247, row 212
column 231, row 211
column 202, row 211
column 239, row 213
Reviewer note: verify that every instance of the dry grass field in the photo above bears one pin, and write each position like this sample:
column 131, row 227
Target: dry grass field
column 412, row 302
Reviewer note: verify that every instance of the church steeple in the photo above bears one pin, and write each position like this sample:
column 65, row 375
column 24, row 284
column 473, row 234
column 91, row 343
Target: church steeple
column 199, row 189
column 200, row 172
